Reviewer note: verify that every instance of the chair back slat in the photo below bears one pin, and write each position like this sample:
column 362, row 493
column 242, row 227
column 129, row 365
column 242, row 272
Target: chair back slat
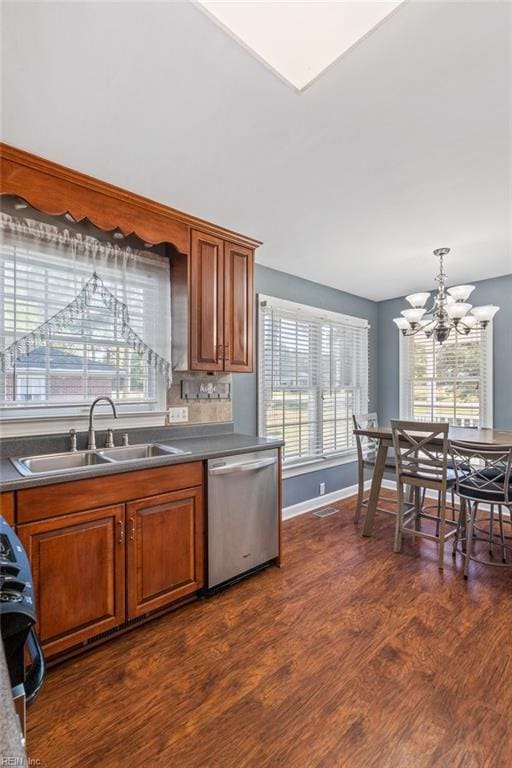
column 421, row 448
column 366, row 446
column 482, row 470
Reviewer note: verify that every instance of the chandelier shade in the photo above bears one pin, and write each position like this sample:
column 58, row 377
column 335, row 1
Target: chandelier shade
column 457, row 310
column 461, row 292
column 486, row 313
column 418, row 299
column 450, row 309
column 413, row 315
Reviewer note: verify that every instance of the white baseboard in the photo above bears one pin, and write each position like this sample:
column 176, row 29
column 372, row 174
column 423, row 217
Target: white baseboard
column 321, row 501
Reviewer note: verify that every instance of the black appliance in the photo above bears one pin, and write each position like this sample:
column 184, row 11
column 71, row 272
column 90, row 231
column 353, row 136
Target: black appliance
column 17, row 619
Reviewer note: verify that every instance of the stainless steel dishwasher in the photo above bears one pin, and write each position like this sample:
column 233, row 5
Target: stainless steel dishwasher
column 243, row 525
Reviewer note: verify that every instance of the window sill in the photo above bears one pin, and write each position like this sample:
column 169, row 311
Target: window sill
column 51, row 425
column 316, row 465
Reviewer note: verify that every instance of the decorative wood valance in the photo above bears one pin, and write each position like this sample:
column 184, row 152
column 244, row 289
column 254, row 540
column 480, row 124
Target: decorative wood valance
column 54, row 189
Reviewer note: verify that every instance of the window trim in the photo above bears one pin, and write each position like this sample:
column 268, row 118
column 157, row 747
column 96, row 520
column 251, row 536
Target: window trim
column 486, row 375
column 312, row 463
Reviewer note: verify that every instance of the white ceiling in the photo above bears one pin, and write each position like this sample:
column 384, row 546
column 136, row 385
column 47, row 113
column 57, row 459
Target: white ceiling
column 402, row 146
column 298, row 40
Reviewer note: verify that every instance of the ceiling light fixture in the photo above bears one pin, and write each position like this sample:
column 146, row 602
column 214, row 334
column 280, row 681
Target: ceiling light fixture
column 449, row 311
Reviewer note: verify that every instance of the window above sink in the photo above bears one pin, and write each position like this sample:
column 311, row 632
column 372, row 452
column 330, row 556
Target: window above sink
column 78, row 336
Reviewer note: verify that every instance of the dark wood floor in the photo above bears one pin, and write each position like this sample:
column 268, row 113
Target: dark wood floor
column 348, row 657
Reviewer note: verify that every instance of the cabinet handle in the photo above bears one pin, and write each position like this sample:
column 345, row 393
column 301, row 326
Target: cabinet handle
column 226, row 352
column 121, row 531
column 219, row 351
column 132, row 529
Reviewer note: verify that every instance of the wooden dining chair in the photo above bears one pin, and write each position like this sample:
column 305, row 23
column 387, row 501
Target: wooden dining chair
column 366, row 456
column 421, row 455
column 483, row 476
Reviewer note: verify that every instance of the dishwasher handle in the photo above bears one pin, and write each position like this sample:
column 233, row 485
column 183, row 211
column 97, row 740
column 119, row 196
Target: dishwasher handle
column 246, row 466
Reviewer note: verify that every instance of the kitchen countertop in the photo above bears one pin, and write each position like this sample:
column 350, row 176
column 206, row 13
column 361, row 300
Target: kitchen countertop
column 198, row 448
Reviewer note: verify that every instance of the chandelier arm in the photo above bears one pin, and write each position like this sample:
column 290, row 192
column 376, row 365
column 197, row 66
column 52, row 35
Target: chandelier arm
column 413, row 331
column 465, row 328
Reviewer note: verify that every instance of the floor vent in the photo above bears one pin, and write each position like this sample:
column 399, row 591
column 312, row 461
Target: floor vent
column 114, row 630
column 326, row 512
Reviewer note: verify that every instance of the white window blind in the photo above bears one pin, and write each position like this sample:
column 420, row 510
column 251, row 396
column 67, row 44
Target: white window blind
column 447, row 382
column 42, row 270
column 313, row 375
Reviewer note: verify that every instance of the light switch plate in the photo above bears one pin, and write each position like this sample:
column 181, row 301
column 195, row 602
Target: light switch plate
column 178, row 415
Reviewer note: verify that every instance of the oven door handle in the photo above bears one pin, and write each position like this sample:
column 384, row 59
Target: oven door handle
column 37, row 670
column 246, row 466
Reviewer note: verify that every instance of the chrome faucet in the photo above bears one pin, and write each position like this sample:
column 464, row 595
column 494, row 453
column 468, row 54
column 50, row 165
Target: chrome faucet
column 92, row 436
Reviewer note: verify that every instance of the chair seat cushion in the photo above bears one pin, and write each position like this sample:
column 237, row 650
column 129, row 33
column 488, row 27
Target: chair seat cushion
column 427, row 475
column 478, row 488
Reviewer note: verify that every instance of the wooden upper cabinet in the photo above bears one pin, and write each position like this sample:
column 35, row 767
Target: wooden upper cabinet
column 206, row 302
column 238, row 308
column 219, row 284
column 165, row 549
column 78, row 570
column 221, row 304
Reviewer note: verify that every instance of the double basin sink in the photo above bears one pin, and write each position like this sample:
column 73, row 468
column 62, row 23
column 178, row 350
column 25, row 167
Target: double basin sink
column 71, row 461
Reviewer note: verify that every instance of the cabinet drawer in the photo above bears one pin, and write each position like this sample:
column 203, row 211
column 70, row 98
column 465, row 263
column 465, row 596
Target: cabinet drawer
column 62, row 498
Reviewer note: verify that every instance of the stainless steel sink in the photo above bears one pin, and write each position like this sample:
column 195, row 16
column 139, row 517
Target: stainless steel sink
column 137, row 452
column 58, row 462
column 55, row 463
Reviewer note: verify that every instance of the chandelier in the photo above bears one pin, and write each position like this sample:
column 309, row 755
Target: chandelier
column 450, row 309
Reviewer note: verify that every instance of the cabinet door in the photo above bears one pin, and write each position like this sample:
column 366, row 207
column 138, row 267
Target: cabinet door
column 78, row 569
column 165, row 549
column 206, row 302
column 238, row 308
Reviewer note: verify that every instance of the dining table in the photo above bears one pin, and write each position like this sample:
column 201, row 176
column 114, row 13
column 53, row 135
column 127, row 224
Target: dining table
column 382, row 437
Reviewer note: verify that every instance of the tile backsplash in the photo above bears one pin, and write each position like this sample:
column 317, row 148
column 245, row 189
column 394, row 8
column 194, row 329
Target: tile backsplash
column 200, row 411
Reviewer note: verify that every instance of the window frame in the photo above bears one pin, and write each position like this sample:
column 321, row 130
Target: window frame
column 299, row 466
column 485, row 380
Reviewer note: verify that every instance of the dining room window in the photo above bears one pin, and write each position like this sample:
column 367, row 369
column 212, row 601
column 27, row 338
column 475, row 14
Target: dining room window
column 79, row 318
column 447, row 382
column 313, row 376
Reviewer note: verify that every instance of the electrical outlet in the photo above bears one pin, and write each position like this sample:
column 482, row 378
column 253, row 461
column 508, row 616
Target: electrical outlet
column 178, row 415
column 322, row 489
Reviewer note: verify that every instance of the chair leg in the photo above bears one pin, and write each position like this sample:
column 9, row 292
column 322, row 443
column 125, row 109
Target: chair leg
column 442, row 528
column 502, row 535
column 469, row 537
column 459, row 530
column 491, row 530
column 438, row 513
column 360, row 493
column 399, row 518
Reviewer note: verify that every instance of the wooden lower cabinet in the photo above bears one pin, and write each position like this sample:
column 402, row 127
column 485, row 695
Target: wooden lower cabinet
column 7, row 507
column 165, row 550
column 78, row 569
column 95, row 569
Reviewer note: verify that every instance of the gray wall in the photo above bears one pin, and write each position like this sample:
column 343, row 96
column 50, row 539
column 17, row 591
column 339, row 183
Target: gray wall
column 284, row 286
column 384, row 354
column 497, row 290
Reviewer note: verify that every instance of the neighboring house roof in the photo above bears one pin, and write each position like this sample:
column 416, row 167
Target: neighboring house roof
column 60, row 360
